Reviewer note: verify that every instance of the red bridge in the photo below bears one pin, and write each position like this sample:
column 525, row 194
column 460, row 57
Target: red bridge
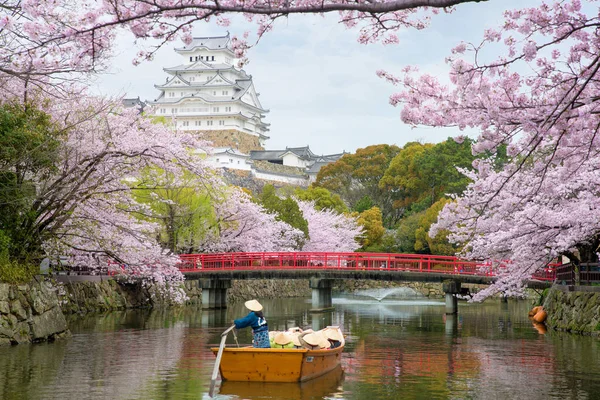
column 302, row 261
column 215, row 272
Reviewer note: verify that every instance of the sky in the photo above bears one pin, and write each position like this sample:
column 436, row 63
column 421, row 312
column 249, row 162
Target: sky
column 318, row 83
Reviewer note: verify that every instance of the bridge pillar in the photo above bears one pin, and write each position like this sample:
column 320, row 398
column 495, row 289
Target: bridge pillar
column 451, row 288
column 321, row 293
column 214, row 293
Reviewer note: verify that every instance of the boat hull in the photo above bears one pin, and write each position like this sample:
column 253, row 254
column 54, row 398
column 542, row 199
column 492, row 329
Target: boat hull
column 250, row 364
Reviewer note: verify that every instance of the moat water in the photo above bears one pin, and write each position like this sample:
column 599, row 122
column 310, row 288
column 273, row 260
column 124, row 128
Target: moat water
column 396, row 348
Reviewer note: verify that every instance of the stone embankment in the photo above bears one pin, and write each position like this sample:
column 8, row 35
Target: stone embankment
column 573, row 309
column 30, row 313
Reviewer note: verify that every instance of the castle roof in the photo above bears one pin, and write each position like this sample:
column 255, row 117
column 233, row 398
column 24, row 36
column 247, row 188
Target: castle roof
column 301, row 152
column 201, row 66
column 209, row 42
column 229, row 150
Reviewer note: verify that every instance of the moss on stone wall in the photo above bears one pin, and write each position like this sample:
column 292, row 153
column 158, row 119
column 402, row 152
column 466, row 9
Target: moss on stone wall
column 573, row 311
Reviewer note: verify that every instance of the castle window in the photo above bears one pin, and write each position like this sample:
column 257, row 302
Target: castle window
column 198, row 123
column 213, row 58
column 163, row 110
column 215, row 109
column 192, row 79
column 217, row 160
column 228, row 109
column 191, row 58
column 221, row 122
column 174, row 110
column 185, row 123
column 231, row 160
column 225, row 92
column 209, row 123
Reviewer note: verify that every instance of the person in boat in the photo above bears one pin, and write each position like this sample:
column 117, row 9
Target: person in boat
column 256, row 320
column 334, row 337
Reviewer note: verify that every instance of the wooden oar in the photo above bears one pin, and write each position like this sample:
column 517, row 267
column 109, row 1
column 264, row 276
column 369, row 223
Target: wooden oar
column 213, row 379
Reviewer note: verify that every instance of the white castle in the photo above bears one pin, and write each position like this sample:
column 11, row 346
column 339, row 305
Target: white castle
column 208, row 94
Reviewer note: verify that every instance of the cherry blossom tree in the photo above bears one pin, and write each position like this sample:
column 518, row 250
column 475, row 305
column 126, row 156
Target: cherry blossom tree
column 540, row 99
column 83, row 204
column 329, row 230
column 242, row 225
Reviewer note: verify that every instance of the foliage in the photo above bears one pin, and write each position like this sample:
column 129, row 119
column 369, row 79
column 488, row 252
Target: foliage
column 13, row 270
column 182, row 206
column 285, row 210
column 406, row 231
column 438, row 244
column 373, row 229
column 421, row 174
column 356, row 176
column 29, row 144
column 322, row 197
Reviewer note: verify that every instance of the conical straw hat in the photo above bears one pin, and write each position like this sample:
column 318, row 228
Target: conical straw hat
column 282, row 338
column 317, row 340
column 296, row 340
column 253, row 305
column 333, row 334
column 312, row 339
column 323, row 342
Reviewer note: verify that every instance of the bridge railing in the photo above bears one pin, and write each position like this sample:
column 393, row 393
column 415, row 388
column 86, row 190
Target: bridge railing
column 346, row 261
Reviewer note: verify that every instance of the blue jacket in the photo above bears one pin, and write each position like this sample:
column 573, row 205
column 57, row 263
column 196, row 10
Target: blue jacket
column 257, row 323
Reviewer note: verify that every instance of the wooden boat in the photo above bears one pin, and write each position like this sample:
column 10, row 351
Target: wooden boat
column 249, row 364
column 325, row 386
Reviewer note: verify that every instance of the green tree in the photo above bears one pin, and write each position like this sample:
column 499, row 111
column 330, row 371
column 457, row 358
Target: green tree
column 405, row 233
column 421, row 174
column 373, row 229
column 287, row 209
column 29, row 144
column 355, row 176
column 439, row 244
column 323, row 198
column 182, row 206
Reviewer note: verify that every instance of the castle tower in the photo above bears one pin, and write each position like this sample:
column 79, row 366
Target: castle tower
column 207, row 93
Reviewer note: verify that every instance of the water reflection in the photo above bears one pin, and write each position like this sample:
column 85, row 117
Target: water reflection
column 393, row 348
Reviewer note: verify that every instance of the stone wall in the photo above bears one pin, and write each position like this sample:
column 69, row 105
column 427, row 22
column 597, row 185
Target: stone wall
column 30, row 313
column 573, row 309
column 280, row 169
column 244, row 142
